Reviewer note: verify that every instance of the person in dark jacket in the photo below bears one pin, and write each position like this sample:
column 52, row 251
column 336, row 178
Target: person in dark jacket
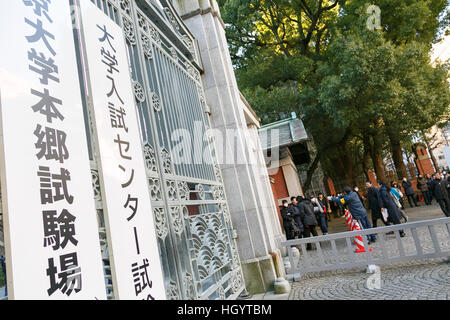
column 387, row 202
column 322, row 203
column 334, row 208
column 422, row 185
column 357, row 210
column 288, row 221
column 294, row 206
column 309, row 219
column 429, row 182
column 448, row 186
column 374, row 204
column 439, row 188
column 316, row 210
column 407, row 186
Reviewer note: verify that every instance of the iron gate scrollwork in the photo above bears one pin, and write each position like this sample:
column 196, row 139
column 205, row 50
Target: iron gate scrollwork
column 193, row 225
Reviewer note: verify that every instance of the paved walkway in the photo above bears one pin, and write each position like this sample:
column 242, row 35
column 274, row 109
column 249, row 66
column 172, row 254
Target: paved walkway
column 423, row 281
column 429, row 279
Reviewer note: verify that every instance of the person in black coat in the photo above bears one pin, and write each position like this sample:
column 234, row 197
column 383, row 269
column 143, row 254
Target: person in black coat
column 422, row 185
column 439, row 188
column 324, row 206
column 308, row 218
column 374, row 204
column 407, row 186
column 288, row 221
column 386, row 202
column 448, row 186
column 429, row 183
column 294, row 206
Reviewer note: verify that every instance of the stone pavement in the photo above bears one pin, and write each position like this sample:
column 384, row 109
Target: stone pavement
column 429, row 279
column 422, row 281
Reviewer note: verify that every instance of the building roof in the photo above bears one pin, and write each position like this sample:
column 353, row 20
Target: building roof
column 283, row 133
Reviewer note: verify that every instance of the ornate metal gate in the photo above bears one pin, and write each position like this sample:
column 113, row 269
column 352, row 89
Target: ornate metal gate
column 195, row 235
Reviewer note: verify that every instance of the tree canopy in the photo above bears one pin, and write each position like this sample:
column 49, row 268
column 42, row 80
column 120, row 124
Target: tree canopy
column 360, row 92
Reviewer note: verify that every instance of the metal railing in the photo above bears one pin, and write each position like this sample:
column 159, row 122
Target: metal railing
column 329, row 257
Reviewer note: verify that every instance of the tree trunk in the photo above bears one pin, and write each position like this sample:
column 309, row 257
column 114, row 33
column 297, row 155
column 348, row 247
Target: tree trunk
column 373, row 147
column 397, row 156
column 377, row 159
column 433, row 159
column 349, row 167
column 430, row 150
column 312, row 168
column 366, row 162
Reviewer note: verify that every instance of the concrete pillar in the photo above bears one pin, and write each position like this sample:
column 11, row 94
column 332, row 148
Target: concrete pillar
column 265, row 190
column 290, row 174
column 251, row 213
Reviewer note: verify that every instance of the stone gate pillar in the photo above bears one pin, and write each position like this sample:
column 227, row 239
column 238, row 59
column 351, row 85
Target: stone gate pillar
column 254, row 216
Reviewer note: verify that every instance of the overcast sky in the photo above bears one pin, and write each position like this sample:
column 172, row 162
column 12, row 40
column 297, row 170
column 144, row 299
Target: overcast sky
column 441, row 50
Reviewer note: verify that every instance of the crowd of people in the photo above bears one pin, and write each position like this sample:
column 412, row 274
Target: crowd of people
column 302, row 216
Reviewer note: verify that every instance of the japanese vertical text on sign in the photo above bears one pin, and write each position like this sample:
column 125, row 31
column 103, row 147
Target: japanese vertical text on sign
column 135, row 259
column 51, row 230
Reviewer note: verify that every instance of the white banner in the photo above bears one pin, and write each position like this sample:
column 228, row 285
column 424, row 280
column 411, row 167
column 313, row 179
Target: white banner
column 50, row 222
column 135, row 258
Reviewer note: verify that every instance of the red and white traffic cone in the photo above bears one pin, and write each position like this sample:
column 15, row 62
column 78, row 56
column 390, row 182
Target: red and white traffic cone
column 359, row 241
column 348, row 218
column 354, row 226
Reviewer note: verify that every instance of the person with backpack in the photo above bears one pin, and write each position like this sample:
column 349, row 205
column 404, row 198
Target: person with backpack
column 308, row 218
column 288, row 221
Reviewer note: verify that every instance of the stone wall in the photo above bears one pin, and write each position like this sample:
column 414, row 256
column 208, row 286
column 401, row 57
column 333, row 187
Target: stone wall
column 253, row 212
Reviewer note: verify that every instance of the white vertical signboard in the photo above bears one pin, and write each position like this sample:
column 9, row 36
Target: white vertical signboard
column 135, row 260
column 50, row 223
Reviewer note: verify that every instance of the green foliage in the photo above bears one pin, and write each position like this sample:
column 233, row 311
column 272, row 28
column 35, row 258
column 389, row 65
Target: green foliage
column 402, row 21
column 319, row 59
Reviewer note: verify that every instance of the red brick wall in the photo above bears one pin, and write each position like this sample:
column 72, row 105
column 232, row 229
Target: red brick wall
column 330, row 186
column 279, row 189
column 425, row 166
column 423, row 160
column 372, row 178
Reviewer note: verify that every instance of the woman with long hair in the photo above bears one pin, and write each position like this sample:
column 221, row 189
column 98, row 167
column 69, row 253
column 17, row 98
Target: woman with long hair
column 387, row 202
column 396, row 196
column 400, row 198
